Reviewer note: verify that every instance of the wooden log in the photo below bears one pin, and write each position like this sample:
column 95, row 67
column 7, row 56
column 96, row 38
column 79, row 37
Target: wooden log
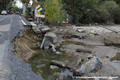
column 58, row 63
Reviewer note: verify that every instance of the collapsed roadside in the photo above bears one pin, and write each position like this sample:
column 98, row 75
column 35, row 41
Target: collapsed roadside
column 86, row 46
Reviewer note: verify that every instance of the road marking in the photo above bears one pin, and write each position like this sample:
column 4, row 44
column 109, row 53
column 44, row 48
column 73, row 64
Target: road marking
column 23, row 22
column 3, row 18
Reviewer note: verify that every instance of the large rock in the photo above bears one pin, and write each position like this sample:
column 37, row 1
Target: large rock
column 90, row 66
column 50, row 40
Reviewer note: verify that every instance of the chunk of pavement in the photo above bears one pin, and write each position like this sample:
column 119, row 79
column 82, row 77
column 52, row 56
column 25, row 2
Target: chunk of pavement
column 43, row 28
column 36, row 30
column 90, row 66
column 58, row 63
column 84, row 50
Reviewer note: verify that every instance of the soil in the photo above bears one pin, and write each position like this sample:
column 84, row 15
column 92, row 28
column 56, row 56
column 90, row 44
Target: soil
column 24, row 45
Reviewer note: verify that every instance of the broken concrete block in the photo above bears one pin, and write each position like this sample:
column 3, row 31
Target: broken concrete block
column 43, row 28
column 36, row 30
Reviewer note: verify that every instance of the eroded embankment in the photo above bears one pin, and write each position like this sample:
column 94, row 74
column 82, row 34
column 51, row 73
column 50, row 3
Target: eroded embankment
column 26, row 49
column 24, row 45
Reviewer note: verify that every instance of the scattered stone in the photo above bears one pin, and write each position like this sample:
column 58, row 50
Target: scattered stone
column 57, row 53
column 89, row 57
column 53, row 67
column 58, row 63
column 90, row 66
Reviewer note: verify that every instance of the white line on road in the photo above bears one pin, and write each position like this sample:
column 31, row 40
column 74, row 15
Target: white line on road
column 23, row 22
column 2, row 19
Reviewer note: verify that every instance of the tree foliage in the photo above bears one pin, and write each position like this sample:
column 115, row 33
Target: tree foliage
column 81, row 10
column 53, row 11
column 91, row 11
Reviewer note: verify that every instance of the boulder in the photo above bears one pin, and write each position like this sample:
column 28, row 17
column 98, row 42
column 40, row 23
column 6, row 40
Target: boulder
column 50, row 40
column 90, row 66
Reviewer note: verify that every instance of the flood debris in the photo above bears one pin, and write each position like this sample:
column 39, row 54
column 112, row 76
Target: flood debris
column 91, row 66
column 92, row 30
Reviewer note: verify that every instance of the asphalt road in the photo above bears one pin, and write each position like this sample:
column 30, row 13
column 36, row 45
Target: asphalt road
column 11, row 68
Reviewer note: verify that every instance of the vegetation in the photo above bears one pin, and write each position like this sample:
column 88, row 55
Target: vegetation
column 77, row 11
column 92, row 11
column 25, row 4
column 53, row 11
column 4, row 4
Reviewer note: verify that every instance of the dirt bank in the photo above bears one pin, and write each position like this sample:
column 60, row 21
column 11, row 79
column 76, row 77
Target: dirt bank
column 24, row 45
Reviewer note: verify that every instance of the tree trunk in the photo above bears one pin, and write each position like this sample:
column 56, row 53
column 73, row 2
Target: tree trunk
column 24, row 9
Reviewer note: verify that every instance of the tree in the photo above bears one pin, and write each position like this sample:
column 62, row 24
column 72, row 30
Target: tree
column 81, row 10
column 111, row 7
column 4, row 4
column 25, row 4
column 53, row 11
